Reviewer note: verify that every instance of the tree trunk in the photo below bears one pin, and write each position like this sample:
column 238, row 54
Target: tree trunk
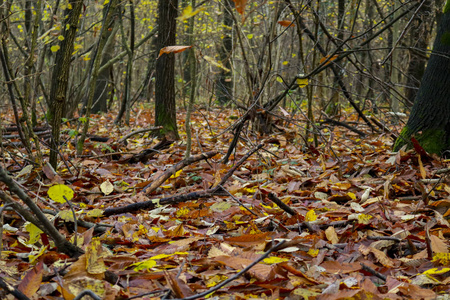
column 103, row 86
column 429, row 123
column 224, row 89
column 165, row 107
column 419, row 39
column 60, row 76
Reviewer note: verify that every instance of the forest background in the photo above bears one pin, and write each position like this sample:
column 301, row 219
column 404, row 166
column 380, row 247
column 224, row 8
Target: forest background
column 288, row 108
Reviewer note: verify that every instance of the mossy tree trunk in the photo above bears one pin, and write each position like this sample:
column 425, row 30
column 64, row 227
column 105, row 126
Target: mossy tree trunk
column 165, row 108
column 429, row 122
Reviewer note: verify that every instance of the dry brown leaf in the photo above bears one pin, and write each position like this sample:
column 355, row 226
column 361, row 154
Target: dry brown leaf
column 173, row 49
column 32, row 280
column 330, row 232
column 286, row 23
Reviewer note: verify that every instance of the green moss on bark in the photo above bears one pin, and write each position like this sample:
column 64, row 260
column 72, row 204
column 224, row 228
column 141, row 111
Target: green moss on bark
column 431, row 140
column 447, row 6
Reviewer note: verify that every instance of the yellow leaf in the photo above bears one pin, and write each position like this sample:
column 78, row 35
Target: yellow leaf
column 182, row 212
column 313, row 252
column 364, row 219
column 54, row 48
column 94, row 258
column 436, row 271
column 249, row 36
column 274, row 260
column 310, row 216
column 35, row 233
column 32, row 258
column 59, row 191
column 61, row 38
column 177, row 174
column 66, row 215
column 351, row 195
column 302, row 82
column 161, row 256
column 188, row 13
column 144, row 265
column 95, row 213
column 442, row 258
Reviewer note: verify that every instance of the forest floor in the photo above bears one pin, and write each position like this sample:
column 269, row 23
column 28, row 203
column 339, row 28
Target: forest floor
column 354, row 220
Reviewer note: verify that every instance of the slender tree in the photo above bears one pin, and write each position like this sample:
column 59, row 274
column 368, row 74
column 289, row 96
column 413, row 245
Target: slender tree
column 60, row 76
column 224, row 88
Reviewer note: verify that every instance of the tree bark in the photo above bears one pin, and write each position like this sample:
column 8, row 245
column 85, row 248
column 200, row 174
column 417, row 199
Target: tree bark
column 429, row 123
column 419, row 38
column 224, row 89
column 60, row 76
column 165, row 107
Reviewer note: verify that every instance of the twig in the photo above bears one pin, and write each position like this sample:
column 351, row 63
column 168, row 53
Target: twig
column 223, row 283
column 272, row 197
column 238, row 201
column 1, row 225
column 373, row 272
column 384, row 238
column 239, row 163
column 12, row 290
column 137, row 132
column 75, row 221
column 60, row 241
column 172, row 170
column 321, row 226
column 338, row 123
column 216, row 190
column 383, row 127
column 89, row 293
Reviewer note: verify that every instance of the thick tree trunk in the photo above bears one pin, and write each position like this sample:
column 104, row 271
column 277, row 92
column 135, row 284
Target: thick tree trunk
column 429, row 122
column 165, row 107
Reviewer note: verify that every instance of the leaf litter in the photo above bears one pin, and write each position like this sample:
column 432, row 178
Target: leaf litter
column 353, row 219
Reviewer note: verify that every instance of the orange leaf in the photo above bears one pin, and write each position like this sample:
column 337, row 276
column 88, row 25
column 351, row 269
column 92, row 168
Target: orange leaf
column 286, row 23
column 240, row 5
column 32, row 280
column 173, row 49
column 330, row 59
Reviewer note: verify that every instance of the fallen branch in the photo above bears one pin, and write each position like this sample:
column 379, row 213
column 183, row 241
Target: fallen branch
column 338, row 123
column 42, row 222
column 150, row 204
column 137, row 132
column 172, row 170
